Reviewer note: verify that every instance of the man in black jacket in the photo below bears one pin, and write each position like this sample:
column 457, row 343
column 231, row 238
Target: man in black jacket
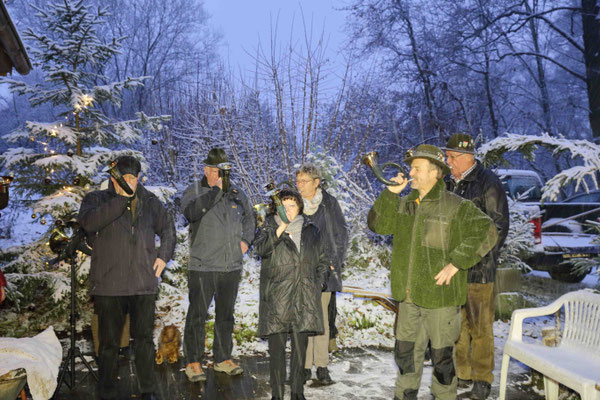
column 121, row 229
column 325, row 212
column 475, row 346
column 222, row 227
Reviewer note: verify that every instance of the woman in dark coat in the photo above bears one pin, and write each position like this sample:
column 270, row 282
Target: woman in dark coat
column 293, row 273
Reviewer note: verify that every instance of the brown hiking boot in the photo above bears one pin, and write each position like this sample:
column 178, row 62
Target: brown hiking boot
column 228, row 367
column 194, row 372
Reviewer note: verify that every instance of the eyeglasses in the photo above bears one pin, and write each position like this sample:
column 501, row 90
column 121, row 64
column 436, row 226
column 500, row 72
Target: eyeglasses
column 455, row 157
column 303, row 181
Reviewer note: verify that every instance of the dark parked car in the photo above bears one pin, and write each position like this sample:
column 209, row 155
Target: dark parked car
column 561, row 233
column 578, row 209
column 591, row 197
column 571, row 217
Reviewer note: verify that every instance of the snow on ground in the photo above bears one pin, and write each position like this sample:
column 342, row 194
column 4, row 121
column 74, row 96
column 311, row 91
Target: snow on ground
column 365, row 368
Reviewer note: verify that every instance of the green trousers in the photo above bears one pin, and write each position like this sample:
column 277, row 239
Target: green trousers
column 475, row 346
column 416, row 326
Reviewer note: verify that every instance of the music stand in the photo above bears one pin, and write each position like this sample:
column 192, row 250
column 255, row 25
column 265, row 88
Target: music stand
column 67, row 250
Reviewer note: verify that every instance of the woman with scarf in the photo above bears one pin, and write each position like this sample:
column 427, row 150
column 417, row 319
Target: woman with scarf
column 325, row 212
column 293, row 272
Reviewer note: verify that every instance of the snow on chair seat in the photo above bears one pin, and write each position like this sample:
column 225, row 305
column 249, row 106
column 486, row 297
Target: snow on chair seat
column 575, row 362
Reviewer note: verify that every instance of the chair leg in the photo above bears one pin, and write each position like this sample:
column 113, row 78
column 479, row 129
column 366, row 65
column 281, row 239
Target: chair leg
column 503, row 376
column 550, row 388
column 590, row 392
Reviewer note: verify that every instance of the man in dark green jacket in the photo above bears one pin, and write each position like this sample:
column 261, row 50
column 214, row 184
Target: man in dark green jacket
column 438, row 236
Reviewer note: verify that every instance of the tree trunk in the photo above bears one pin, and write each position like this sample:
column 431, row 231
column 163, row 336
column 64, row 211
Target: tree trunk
column 591, row 55
column 541, row 75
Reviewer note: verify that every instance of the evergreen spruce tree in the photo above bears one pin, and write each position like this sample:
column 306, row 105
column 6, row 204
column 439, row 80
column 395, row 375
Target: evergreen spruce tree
column 56, row 163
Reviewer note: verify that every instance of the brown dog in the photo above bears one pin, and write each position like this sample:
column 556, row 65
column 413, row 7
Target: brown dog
column 168, row 345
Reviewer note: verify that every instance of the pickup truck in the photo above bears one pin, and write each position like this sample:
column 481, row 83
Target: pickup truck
column 561, row 234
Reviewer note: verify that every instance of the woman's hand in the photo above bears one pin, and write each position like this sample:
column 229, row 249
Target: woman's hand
column 281, row 229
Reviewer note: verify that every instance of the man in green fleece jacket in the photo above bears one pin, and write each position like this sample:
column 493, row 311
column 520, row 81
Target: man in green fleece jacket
column 438, row 236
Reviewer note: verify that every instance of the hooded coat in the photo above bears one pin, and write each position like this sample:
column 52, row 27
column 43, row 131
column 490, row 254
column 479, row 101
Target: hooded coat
column 291, row 280
column 123, row 245
column 444, row 228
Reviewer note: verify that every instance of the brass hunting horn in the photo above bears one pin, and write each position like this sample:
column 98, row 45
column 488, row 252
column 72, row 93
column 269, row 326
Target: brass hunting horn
column 273, row 193
column 114, row 172
column 224, row 171
column 371, row 161
column 261, row 210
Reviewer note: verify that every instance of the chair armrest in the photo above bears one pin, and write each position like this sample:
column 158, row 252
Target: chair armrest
column 516, row 320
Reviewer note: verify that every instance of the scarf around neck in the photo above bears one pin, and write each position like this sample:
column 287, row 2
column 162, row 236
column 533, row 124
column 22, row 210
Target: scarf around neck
column 294, row 229
column 311, row 206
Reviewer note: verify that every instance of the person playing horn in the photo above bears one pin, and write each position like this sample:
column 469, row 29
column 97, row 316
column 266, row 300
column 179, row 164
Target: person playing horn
column 222, row 228
column 438, row 236
column 294, row 266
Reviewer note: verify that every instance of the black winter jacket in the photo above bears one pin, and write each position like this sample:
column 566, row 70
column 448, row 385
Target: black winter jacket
column 123, row 246
column 334, row 231
column 485, row 190
column 218, row 223
column 290, row 280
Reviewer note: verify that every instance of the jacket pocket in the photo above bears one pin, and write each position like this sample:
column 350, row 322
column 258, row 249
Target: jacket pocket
column 435, row 232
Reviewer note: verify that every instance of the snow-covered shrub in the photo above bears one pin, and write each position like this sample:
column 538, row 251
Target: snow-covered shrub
column 520, row 241
column 584, row 175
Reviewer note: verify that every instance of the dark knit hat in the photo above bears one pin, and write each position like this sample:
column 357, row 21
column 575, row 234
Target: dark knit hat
column 429, row 152
column 128, row 165
column 462, row 143
column 216, row 156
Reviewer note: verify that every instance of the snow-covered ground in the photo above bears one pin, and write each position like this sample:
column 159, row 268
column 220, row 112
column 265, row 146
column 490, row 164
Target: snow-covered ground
column 368, row 329
column 366, row 368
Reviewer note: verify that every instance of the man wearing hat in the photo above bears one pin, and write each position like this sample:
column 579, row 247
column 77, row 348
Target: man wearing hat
column 438, row 236
column 121, row 229
column 475, row 347
column 222, row 227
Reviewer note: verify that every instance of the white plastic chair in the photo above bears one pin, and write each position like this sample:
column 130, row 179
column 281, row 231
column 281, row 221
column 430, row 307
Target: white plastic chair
column 575, row 362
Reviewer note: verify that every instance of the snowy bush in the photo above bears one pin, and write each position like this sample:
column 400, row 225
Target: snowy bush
column 583, row 176
column 591, row 265
column 519, row 241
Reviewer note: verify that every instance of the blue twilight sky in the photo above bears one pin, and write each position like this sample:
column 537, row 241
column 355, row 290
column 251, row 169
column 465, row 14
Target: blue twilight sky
column 246, row 23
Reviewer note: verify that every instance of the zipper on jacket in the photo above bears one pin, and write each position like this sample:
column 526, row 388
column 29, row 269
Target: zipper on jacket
column 230, row 253
column 411, row 256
